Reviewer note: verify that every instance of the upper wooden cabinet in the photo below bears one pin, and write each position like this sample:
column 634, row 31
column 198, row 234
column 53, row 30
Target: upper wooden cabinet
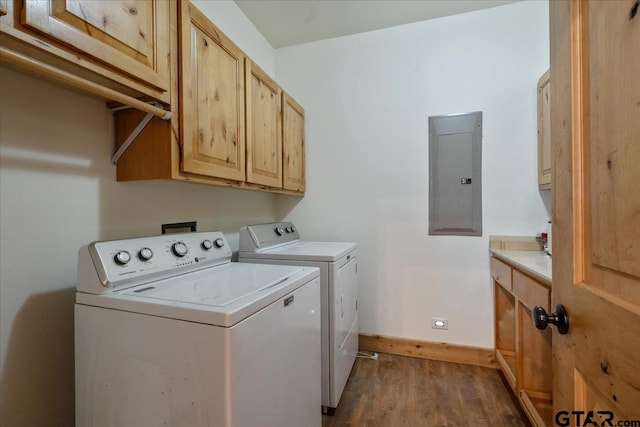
column 544, row 132
column 293, row 144
column 234, row 126
column 212, row 95
column 264, row 127
column 121, row 45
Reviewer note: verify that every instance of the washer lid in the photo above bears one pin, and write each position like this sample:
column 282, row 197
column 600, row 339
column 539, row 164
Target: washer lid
column 224, row 286
column 221, row 296
column 306, row 251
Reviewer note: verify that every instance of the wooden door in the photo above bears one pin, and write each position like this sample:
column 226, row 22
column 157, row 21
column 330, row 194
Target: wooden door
column 131, row 36
column 293, row 144
column 212, row 94
column 264, row 127
column 595, row 110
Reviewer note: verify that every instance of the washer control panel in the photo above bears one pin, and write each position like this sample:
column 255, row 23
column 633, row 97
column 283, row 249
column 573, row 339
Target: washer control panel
column 132, row 261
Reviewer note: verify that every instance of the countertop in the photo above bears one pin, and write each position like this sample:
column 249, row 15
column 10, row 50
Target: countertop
column 535, row 263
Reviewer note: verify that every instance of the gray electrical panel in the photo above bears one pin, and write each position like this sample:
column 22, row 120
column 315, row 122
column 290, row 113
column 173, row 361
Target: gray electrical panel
column 455, row 176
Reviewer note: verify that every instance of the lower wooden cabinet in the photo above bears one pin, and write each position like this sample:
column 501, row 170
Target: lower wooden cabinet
column 534, row 383
column 523, row 352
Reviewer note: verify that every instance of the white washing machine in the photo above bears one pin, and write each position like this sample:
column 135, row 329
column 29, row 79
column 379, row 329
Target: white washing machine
column 169, row 332
column 279, row 243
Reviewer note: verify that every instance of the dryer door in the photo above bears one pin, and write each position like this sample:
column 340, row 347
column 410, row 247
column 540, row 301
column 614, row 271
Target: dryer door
column 346, row 299
column 345, row 321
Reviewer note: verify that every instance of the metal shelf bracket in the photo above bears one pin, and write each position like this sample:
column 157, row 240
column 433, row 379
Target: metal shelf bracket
column 127, row 142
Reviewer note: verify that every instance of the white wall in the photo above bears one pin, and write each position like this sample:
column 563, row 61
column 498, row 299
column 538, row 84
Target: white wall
column 367, row 98
column 57, row 192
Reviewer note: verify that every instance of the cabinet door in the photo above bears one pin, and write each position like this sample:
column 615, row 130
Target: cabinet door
column 544, row 133
column 212, row 109
column 131, row 36
column 264, row 127
column 293, row 144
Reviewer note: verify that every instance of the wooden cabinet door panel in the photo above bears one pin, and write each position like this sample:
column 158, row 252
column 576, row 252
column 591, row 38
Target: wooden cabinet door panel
column 131, row 36
column 614, row 137
column 596, row 201
column 544, row 132
column 293, row 144
column 264, row 127
column 212, row 109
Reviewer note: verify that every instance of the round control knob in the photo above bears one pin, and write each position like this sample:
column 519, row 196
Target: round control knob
column 219, row 242
column 145, row 254
column 206, row 244
column 179, row 249
column 293, row 229
column 122, row 257
column 279, row 231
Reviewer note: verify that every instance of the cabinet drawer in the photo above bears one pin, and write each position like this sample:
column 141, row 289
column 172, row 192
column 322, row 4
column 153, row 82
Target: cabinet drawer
column 530, row 292
column 501, row 273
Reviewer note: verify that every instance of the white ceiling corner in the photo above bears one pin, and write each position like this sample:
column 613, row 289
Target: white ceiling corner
column 289, row 22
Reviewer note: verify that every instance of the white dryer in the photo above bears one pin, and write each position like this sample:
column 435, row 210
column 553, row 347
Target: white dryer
column 279, row 243
column 169, row 332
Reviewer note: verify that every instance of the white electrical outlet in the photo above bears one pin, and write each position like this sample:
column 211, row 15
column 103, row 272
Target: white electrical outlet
column 439, row 323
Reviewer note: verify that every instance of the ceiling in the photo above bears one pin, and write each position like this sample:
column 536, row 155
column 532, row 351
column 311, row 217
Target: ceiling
column 288, row 22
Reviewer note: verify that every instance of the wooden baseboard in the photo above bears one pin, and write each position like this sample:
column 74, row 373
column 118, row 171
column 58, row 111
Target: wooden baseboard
column 429, row 350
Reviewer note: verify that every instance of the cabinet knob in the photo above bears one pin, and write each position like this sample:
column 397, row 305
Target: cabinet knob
column 557, row 317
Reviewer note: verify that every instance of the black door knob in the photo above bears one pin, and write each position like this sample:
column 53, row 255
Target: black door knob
column 557, row 317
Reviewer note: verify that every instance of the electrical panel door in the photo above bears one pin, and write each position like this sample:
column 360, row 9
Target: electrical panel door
column 455, row 160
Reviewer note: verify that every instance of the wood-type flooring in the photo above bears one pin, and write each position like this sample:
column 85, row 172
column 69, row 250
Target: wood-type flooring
column 398, row 391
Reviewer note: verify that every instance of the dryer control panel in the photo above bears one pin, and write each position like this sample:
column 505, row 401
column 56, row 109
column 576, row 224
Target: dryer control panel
column 262, row 236
column 116, row 264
